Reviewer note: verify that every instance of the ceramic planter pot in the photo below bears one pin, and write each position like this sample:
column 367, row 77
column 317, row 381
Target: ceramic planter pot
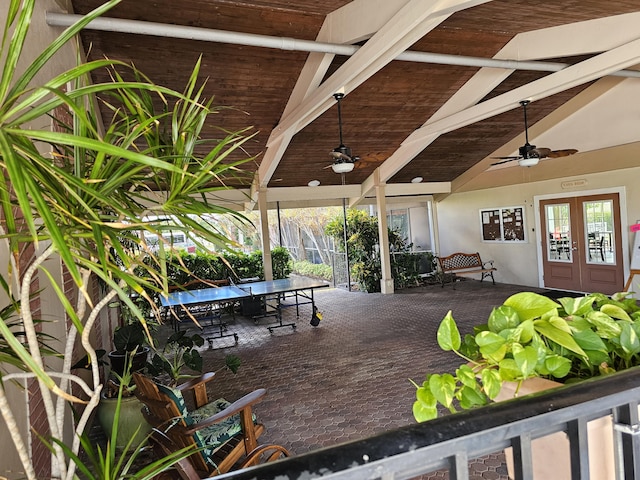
column 118, row 360
column 131, row 422
column 551, row 453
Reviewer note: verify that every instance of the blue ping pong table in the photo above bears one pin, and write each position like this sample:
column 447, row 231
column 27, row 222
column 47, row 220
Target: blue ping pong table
column 271, row 293
column 203, row 304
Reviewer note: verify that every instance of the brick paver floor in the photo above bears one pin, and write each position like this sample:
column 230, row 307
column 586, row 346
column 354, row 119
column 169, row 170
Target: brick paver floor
column 347, row 379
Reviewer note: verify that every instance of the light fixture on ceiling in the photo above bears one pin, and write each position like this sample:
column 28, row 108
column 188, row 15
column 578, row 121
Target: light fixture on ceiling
column 417, row 179
column 528, row 162
column 343, row 160
column 314, row 183
column 344, row 167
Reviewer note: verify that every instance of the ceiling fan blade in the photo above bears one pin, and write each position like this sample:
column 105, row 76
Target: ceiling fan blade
column 516, row 157
column 562, row 153
column 340, row 156
column 507, row 160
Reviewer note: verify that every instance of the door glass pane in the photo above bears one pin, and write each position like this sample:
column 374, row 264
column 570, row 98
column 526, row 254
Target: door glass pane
column 559, row 241
column 598, row 219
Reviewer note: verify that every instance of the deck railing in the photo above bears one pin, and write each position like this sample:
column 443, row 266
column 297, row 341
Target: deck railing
column 451, row 441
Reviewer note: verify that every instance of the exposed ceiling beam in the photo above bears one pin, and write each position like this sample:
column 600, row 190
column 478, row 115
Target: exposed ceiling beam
column 404, row 27
column 348, row 24
column 460, row 107
column 549, row 122
column 410, row 24
column 578, row 74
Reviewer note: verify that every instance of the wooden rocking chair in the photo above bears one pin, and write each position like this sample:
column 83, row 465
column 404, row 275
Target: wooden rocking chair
column 223, row 435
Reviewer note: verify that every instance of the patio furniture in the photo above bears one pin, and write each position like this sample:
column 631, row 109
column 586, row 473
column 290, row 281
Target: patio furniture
column 596, row 245
column 461, row 264
column 223, row 435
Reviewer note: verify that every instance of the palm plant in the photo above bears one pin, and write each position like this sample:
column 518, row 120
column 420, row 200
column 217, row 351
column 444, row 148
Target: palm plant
column 81, row 193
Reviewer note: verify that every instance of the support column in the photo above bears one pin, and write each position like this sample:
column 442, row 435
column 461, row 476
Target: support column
column 264, row 234
column 386, row 282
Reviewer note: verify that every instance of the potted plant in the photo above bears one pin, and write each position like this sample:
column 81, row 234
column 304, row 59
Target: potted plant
column 119, row 409
column 130, row 342
column 181, row 351
column 532, row 339
column 73, row 191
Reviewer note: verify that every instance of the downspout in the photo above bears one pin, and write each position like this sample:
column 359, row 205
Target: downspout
column 119, row 25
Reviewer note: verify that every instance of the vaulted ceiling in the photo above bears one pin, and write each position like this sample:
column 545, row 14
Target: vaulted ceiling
column 432, row 88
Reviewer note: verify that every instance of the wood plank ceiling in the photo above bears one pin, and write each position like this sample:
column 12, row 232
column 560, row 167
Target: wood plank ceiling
column 381, row 111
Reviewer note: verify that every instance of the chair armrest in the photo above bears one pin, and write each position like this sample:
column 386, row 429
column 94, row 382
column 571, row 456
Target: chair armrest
column 243, row 403
column 198, row 387
column 194, row 382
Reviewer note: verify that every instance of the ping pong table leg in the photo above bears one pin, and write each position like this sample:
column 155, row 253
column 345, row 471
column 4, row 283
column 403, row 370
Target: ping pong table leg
column 279, row 317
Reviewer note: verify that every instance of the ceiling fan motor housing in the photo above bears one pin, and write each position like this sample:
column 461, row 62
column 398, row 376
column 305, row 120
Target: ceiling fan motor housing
column 526, row 151
column 342, row 154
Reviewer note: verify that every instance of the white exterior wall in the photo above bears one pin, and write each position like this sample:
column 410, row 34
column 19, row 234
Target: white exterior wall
column 517, row 263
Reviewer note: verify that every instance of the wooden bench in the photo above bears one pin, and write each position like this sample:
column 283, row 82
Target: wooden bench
column 462, row 264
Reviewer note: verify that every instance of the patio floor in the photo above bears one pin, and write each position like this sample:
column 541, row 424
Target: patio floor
column 347, row 379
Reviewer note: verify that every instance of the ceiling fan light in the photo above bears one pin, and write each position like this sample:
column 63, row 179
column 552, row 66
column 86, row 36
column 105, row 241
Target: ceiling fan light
column 343, row 167
column 528, row 162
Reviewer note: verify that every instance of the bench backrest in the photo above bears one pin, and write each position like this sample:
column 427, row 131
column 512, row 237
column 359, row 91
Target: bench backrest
column 460, row 261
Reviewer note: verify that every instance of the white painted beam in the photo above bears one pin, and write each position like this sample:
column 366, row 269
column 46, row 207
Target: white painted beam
column 583, row 72
column 411, row 23
column 563, row 40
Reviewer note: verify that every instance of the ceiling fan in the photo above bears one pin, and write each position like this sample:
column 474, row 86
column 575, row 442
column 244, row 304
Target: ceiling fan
column 343, row 160
column 530, row 155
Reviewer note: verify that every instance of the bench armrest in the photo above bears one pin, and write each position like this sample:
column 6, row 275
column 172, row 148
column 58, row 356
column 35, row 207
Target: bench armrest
column 489, row 262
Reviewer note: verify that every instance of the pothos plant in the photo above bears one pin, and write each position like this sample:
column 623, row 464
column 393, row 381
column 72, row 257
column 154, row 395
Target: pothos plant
column 531, row 335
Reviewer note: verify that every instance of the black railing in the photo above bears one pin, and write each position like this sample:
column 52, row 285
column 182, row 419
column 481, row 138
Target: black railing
column 449, row 442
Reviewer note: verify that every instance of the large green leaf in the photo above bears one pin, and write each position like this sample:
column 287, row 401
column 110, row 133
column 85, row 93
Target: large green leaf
column 423, row 413
column 629, row 340
column 492, row 346
column 502, row 318
column 606, row 327
column 491, row 382
column 526, row 359
column 443, row 388
column 589, row 340
column 577, row 306
column 471, row 397
column 448, row 334
column 466, row 376
column 558, row 336
column 557, row 366
column 615, row 311
column 530, row 305
column 509, row 370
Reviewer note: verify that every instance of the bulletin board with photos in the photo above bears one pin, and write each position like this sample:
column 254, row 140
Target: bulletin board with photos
column 505, row 224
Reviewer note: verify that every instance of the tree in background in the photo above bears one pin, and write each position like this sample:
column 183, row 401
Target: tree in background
column 364, row 251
